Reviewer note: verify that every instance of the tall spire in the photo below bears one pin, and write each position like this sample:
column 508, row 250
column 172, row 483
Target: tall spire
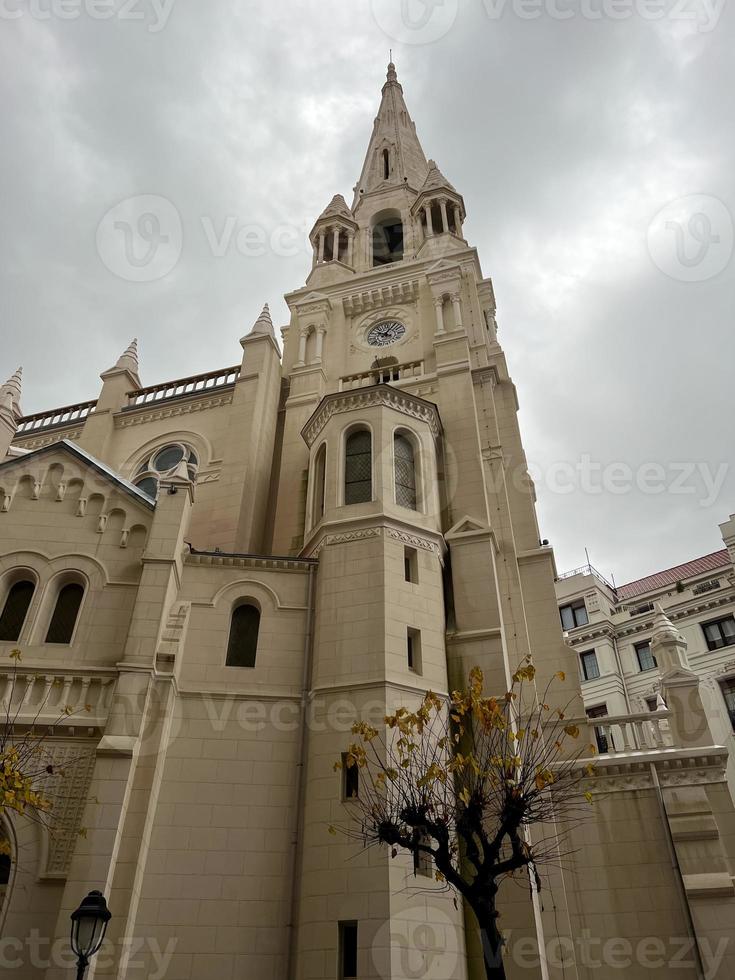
column 395, row 155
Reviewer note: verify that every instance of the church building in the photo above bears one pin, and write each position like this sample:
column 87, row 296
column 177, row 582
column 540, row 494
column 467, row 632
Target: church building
column 226, row 571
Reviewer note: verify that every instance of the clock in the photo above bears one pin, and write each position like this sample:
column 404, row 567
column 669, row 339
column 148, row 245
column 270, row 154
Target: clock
column 385, row 333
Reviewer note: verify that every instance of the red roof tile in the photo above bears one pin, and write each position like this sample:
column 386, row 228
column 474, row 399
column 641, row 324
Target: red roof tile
column 670, row 576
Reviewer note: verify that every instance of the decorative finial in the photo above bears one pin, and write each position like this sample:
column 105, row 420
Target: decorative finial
column 264, row 323
column 129, row 357
column 10, row 392
column 392, row 75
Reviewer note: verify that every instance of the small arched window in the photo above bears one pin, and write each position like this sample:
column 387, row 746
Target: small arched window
column 320, row 472
column 388, row 239
column 359, row 467
column 386, row 164
column 242, row 646
column 66, row 611
column 405, row 471
column 15, row 610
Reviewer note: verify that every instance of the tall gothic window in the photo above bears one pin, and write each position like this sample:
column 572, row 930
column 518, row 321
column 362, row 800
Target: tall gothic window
column 15, row 610
column 65, row 614
column 405, row 471
column 320, row 468
column 242, row 646
column 359, row 467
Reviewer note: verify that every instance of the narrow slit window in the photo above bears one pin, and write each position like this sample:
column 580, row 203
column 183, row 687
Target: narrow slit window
column 350, row 779
column 15, row 610
column 411, row 565
column 66, row 612
column 242, row 646
column 413, row 650
column 347, row 950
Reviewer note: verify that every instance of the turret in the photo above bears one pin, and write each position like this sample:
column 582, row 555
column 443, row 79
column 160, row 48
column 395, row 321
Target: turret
column 333, row 235
column 439, row 211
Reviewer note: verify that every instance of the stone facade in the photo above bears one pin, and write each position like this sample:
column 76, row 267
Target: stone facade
column 270, row 552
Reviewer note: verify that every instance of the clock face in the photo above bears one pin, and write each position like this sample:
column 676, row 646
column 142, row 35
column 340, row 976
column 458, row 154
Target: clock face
column 385, row 333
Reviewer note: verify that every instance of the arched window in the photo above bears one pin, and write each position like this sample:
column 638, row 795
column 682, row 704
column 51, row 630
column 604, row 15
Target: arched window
column 388, row 239
column 242, row 646
column 386, row 164
column 15, row 610
column 162, row 463
column 319, row 484
column 66, row 611
column 405, row 471
column 359, row 467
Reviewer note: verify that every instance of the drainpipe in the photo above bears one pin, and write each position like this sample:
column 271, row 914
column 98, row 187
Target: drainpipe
column 678, row 877
column 303, row 746
column 619, row 665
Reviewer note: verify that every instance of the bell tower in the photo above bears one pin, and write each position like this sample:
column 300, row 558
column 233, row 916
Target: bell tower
column 402, row 469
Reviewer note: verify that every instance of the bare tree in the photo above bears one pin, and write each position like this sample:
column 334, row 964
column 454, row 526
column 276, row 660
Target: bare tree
column 461, row 782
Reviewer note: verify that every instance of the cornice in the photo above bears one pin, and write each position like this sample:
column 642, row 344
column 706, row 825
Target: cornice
column 219, row 560
column 376, row 395
column 361, row 530
column 168, row 410
column 674, row 767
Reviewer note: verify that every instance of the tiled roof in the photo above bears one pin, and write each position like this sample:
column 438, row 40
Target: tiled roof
column 670, row 576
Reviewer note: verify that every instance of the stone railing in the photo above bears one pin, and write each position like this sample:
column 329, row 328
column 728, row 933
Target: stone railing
column 622, row 734
column 388, row 374
column 41, row 697
column 197, row 384
column 57, row 418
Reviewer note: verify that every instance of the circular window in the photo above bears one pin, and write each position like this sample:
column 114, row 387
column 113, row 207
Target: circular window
column 163, row 463
column 168, row 459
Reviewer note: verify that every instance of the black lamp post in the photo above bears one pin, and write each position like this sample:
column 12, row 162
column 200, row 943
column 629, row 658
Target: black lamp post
column 88, row 928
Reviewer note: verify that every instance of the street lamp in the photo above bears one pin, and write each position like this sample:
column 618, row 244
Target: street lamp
column 88, row 928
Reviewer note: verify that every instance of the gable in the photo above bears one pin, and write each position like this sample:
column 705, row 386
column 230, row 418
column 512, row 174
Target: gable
column 76, row 464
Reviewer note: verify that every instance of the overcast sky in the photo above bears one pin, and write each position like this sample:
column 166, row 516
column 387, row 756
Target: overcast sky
column 592, row 141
